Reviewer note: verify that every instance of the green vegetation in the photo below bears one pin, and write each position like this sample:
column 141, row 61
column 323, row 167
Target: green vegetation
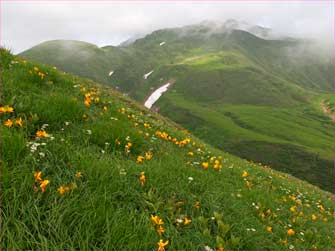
column 269, row 101
column 85, row 59
column 294, row 140
column 73, row 153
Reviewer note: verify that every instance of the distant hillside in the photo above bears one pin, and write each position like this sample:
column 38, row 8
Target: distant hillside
column 84, row 167
column 250, row 96
column 83, row 58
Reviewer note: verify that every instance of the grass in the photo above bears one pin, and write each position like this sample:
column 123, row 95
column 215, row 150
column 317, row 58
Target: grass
column 252, row 97
column 221, row 60
column 106, row 207
column 297, row 140
column 324, row 101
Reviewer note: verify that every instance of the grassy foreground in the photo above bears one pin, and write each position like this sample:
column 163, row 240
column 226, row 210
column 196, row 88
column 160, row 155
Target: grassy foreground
column 84, row 167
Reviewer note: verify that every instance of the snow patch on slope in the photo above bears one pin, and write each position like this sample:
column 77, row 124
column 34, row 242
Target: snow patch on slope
column 145, row 76
column 156, row 95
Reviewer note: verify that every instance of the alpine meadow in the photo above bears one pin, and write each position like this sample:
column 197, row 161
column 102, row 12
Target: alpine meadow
column 216, row 135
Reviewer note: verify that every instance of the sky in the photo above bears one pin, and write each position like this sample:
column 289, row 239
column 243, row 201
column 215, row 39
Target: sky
column 27, row 23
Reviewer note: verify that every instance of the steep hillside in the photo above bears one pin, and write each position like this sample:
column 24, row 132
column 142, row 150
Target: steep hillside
column 249, row 96
column 83, row 58
column 84, row 167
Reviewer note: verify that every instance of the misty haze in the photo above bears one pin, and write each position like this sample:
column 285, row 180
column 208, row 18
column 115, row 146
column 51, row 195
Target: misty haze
column 189, row 125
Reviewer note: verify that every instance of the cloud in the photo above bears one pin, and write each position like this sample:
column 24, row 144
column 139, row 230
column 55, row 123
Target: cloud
column 27, row 23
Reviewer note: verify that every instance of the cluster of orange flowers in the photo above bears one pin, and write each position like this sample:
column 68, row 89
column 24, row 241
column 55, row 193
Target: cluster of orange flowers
column 158, row 223
column 127, row 147
column 42, row 184
column 296, row 210
column 147, row 125
column 41, row 134
column 131, row 116
column 18, row 122
column 40, row 74
column 140, row 158
column 63, row 189
column 89, row 97
column 248, row 184
column 215, row 161
column 165, row 136
column 11, row 121
column 39, row 182
column 6, row 109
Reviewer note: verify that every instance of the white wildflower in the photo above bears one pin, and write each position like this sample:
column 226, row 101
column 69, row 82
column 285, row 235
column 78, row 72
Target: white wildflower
column 123, row 172
column 44, row 126
column 207, row 248
column 179, row 220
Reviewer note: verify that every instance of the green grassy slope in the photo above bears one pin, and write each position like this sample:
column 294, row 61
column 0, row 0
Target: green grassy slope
column 280, row 59
column 97, row 197
column 298, row 61
column 297, row 140
column 131, row 62
column 255, row 101
column 83, row 58
column 235, row 103
column 250, row 92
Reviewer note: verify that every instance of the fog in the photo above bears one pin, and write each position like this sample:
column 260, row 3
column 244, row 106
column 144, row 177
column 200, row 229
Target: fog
column 25, row 24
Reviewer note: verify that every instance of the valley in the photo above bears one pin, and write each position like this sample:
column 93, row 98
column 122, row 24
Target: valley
column 247, row 95
column 167, row 125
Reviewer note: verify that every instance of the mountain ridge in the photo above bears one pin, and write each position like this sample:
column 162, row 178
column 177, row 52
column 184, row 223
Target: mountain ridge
column 231, row 69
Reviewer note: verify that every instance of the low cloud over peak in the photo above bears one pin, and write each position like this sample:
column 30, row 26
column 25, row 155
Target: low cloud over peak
column 25, row 24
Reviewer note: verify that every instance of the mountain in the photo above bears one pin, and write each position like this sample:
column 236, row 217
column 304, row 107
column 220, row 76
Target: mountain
column 131, row 40
column 86, row 59
column 260, row 99
column 85, row 167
